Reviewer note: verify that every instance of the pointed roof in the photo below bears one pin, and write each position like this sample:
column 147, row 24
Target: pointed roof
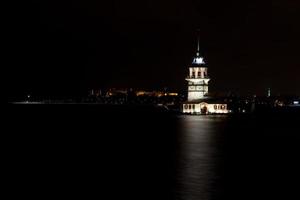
column 198, row 60
column 198, row 47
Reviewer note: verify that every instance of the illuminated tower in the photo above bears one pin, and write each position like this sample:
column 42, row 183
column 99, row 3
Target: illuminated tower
column 198, row 78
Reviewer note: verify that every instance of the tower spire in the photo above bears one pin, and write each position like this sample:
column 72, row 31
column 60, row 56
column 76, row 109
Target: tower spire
column 198, row 46
column 198, row 59
column 198, row 43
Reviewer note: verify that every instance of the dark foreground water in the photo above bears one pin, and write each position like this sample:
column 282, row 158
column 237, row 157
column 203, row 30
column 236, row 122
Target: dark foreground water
column 91, row 151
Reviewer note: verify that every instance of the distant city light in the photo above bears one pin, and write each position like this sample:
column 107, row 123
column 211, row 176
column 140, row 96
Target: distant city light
column 173, row 94
column 296, row 102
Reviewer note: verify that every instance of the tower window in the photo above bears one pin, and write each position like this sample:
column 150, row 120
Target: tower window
column 199, row 74
column 193, row 74
column 204, row 74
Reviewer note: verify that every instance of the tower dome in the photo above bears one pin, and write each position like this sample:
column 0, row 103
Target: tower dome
column 198, row 60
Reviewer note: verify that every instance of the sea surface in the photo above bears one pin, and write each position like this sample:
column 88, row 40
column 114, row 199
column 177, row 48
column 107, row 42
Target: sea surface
column 138, row 152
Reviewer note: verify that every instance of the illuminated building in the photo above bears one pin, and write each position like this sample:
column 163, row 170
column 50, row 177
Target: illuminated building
column 198, row 101
column 198, row 78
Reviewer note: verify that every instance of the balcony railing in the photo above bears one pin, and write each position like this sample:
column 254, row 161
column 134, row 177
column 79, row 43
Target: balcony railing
column 195, row 77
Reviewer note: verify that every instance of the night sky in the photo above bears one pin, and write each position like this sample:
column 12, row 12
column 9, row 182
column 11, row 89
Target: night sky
column 60, row 48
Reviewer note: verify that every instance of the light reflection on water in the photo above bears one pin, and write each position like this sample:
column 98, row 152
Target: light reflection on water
column 198, row 156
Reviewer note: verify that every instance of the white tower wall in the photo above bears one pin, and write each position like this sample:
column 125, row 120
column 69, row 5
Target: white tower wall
column 197, row 83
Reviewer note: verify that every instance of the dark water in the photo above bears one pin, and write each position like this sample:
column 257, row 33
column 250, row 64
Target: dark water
column 90, row 151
